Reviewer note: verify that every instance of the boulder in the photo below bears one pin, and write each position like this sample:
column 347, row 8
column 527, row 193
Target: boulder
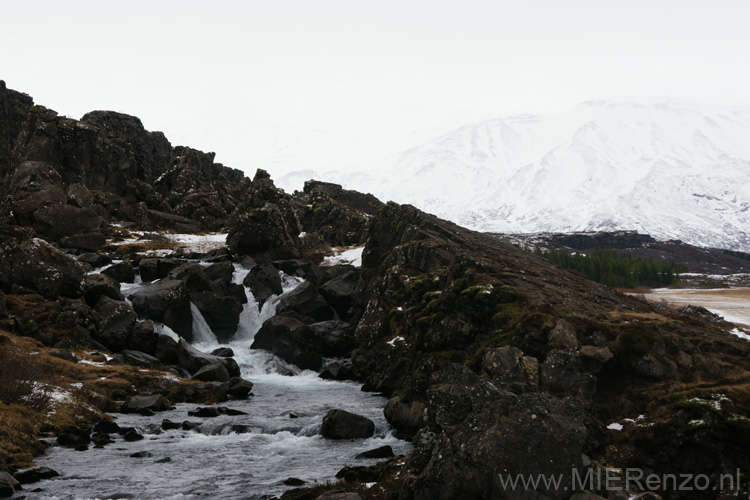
column 194, row 276
column 35, row 265
column 341, row 424
column 144, row 337
column 382, row 452
column 138, row 358
column 224, row 352
column 166, row 301
column 215, row 372
column 95, row 259
column 193, row 360
column 58, row 221
column 266, row 233
column 306, row 300
column 91, row 242
column 405, row 415
column 166, row 349
column 263, row 281
column 95, row 286
column 239, row 388
column 122, row 272
column 8, row 485
column 221, row 271
column 139, row 404
column 339, row 292
column 115, row 323
column 302, row 269
column 507, row 365
column 153, row 268
column 30, row 476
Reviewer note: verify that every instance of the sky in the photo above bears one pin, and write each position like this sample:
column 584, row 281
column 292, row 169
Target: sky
column 295, row 84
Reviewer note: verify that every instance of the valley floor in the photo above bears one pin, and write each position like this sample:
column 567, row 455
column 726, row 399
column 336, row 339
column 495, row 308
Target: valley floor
column 731, row 303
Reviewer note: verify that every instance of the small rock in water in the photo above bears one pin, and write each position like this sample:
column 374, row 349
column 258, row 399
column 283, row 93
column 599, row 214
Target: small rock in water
column 205, row 412
column 189, row 426
column 341, row 424
column 224, row 352
column 34, row 475
column 132, row 435
column 230, row 411
column 163, row 460
column 382, row 452
column 106, row 426
column 293, row 481
column 168, row 425
column 142, row 454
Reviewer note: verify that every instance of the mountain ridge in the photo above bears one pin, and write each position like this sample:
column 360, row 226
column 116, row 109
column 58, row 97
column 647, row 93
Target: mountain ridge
column 669, row 169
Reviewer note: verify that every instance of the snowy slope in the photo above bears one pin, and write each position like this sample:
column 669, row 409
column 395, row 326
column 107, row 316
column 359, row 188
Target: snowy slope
column 670, row 169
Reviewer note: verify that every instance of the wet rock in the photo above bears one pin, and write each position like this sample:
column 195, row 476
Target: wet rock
column 166, row 349
column 205, row 412
column 339, row 369
column 293, row 481
column 166, row 301
column 122, row 272
column 194, row 276
column 215, row 372
column 101, row 440
column 264, row 281
column 65, row 354
column 164, row 460
column 168, row 425
column 193, row 360
column 141, row 454
column 306, row 300
column 223, row 352
column 239, row 388
column 341, row 424
column 358, row 474
column 156, row 268
column 189, row 426
column 132, row 435
column 30, row 476
column 8, row 485
column 137, row 404
column 106, row 426
column 96, row 286
column 74, row 438
column 382, row 452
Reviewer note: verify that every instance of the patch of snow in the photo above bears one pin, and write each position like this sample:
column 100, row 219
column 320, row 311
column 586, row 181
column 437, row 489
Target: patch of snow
column 351, row 256
column 615, row 426
column 393, row 341
column 741, row 334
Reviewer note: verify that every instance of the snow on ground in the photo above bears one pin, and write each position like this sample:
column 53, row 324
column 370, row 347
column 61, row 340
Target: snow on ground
column 199, row 242
column 733, row 304
column 351, row 256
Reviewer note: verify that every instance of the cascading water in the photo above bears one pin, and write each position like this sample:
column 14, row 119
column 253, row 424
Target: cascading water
column 229, row 457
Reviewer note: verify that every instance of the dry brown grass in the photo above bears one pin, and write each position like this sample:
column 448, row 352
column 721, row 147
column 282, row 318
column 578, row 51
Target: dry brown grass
column 145, row 246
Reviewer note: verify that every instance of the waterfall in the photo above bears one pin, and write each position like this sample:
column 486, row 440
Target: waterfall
column 202, row 333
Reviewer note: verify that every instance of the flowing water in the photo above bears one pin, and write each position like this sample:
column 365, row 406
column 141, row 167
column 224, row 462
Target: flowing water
column 278, row 438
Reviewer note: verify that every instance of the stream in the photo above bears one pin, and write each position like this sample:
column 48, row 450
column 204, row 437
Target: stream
column 279, row 438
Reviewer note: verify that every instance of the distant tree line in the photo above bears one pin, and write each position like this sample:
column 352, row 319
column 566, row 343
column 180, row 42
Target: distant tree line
column 739, row 255
column 617, row 269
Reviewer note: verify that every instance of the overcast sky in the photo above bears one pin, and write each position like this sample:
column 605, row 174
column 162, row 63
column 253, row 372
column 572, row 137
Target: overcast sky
column 323, row 82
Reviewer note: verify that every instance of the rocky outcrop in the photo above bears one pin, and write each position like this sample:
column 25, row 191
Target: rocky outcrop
column 264, row 281
column 194, row 360
column 306, row 301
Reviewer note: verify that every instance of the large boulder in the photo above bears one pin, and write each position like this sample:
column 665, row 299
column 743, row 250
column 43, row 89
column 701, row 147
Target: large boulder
column 221, row 271
column 96, row 286
column 215, row 372
column 339, row 292
column 165, row 301
column 341, row 424
column 8, row 485
column 115, row 323
column 95, row 260
column 289, row 337
column 263, row 281
column 266, row 233
column 122, row 272
column 306, row 300
column 193, row 360
column 34, row 265
column 58, row 221
column 153, row 268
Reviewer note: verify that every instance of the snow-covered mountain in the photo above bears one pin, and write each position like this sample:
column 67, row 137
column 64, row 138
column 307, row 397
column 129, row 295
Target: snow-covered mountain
column 671, row 169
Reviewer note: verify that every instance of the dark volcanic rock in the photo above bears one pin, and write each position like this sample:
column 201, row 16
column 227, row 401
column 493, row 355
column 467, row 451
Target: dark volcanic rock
column 8, row 485
column 122, row 272
column 193, row 360
column 340, row 291
column 35, row 475
column 215, row 372
column 341, row 424
column 137, row 404
column 166, row 301
column 382, row 452
column 264, row 281
column 37, row 266
column 115, row 324
column 95, row 259
column 221, row 313
column 97, row 285
column 306, row 300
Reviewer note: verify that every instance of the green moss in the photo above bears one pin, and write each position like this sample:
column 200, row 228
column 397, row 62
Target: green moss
column 431, row 306
column 477, row 291
column 502, row 339
column 432, row 295
column 425, row 321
